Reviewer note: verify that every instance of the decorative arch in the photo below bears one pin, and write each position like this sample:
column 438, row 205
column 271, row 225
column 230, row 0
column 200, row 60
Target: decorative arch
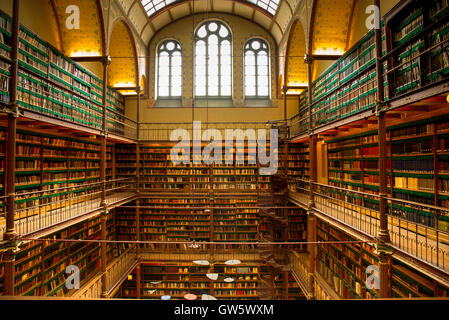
column 123, row 70
column 295, row 68
column 89, row 39
column 325, row 38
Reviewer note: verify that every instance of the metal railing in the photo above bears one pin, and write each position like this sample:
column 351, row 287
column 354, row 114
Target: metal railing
column 163, row 131
column 38, row 210
column 426, row 239
column 118, row 269
column 55, row 99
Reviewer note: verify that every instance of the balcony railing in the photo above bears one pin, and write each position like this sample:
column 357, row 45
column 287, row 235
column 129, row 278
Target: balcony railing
column 163, row 131
column 116, row 271
column 415, row 229
column 39, row 210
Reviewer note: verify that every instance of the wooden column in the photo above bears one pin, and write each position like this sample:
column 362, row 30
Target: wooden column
column 138, row 228
column 138, row 281
column 383, row 237
column 311, row 219
column 104, row 213
column 10, row 170
column 285, row 284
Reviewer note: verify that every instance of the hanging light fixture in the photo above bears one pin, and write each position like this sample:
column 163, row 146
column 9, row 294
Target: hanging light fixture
column 202, row 262
column 166, row 297
column 233, row 262
column 207, row 297
column 212, row 276
column 190, row 296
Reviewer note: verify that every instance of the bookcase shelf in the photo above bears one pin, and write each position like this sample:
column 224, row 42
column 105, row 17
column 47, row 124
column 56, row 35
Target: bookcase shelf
column 298, row 163
column 179, row 279
column 53, row 84
column 343, row 265
column 161, row 173
column 41, row 265
column 417, row 165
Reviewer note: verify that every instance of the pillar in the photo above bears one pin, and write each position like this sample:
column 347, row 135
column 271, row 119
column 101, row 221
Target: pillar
column 104, row 211
column 383, row 238
column 10, row 171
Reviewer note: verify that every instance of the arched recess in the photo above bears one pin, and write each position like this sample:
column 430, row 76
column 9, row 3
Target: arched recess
column 89, row 39
column 295, row 68
column 123, row 70
column 330, row 26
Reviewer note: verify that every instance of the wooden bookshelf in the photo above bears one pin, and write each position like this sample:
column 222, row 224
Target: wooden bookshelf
column 179, row 279
column 53, row 84
column 409, row 283
column 40, row 265
column 343, row 265
column 298, row 163
column 126, row 160
column 161, row 173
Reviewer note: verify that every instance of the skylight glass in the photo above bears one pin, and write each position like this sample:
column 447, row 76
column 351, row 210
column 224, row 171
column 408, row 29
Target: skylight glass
column 152, row 6
column 269, row 5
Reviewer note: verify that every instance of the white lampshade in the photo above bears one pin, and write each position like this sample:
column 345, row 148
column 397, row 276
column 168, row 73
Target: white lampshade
column 233, row 262
column 207, row 297
column 212, row 276
column 202, row 262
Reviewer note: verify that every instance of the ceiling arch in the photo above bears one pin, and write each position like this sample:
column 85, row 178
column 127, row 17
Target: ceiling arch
column 123, row 70
column 254, row 10
column 88, row 40
column 324, row 37
column 296, row 69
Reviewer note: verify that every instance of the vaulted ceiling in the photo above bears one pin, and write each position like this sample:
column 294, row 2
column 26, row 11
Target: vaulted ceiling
column 149, row 16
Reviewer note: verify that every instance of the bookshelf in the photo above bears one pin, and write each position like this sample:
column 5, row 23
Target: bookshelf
column 298, row 163
column 46, row 162
column 40, row 265
column 161, row 173
column 179, row 279
column 294, row 292
column 53, row 84
column 125, row 160
column 410, row 283
column 423, row 58
column 176, row 219
column 417, row 166
column 343, row 265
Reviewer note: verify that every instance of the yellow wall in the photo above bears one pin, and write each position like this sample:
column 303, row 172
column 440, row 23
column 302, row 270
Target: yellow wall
column 358, row 29
column 171, row 115
column 38, row 16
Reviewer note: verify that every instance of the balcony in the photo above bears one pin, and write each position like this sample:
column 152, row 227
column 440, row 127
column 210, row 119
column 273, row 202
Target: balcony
column 358, row 211
column 44, row 212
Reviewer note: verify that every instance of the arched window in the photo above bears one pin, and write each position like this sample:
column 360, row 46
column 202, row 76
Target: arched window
column 213, row 63
column 169, row 69
column 257, row 69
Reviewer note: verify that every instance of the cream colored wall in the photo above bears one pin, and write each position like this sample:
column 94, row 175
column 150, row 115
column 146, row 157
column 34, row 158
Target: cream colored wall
column 242, row 30
column 173, row 115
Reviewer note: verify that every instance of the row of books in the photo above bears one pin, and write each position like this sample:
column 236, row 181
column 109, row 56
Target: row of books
column 419, row 184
